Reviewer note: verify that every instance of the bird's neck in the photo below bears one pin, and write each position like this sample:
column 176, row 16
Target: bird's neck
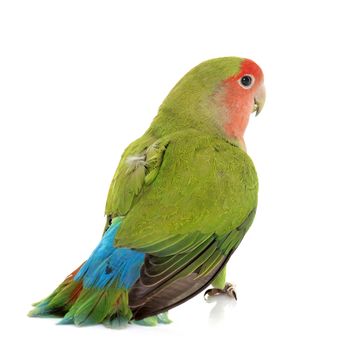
column 218, row 115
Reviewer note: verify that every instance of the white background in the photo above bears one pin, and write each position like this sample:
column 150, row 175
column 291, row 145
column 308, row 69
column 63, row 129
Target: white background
column 79, row 80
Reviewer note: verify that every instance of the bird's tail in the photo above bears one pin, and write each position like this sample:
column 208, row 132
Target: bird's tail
column 96, row 292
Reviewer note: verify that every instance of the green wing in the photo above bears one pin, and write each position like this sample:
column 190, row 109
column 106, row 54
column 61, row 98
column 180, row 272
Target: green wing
column 166, row 282
column 189, row 219
column 137, row 169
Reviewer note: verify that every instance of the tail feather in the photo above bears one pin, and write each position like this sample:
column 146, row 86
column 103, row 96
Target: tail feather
column 96, row 292
column 60, row 300
column 97, row 306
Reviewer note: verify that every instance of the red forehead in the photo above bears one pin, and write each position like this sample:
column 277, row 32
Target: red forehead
column 247, row 67
column 250, row 67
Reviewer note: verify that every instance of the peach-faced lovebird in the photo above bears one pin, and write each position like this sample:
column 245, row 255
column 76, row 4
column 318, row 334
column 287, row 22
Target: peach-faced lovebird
column 181, row 200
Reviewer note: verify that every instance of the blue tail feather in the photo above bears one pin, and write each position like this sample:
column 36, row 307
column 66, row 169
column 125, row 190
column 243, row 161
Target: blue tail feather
column 97, row 292
column 108, row 264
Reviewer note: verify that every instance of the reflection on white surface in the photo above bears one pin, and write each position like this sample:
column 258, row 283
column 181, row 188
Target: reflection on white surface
column 222, row 304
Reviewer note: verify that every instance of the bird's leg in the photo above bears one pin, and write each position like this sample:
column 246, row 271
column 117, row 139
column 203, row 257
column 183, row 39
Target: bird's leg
column 228, row 290
column 220, row 286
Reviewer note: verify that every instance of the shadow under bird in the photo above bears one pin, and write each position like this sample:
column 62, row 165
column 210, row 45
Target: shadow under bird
column 181, row 200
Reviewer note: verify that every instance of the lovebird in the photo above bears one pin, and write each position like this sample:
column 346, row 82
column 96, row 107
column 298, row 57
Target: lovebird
column 181, row 200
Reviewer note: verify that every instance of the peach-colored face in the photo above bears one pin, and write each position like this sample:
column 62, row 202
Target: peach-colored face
column 244, row 93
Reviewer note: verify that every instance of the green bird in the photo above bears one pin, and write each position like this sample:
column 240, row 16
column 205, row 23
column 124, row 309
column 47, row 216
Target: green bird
column 181, row 200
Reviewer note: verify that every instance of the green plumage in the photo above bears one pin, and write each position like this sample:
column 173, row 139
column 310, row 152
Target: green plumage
column 184, row 188
column 186, row 193
column 205, row 186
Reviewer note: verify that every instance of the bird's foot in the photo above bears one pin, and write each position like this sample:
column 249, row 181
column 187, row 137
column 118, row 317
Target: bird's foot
column 228, row 290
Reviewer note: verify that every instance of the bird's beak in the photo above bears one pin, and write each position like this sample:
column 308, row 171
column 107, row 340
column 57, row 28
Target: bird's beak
column 259, row 100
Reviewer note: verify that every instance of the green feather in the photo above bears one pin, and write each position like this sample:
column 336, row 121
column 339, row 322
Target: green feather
column 187, row 194
column 205, row 186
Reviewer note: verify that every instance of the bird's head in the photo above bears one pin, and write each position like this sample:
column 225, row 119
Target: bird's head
column 217, row 96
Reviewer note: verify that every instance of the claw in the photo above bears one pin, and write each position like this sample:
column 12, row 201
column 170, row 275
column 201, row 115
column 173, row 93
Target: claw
column 212, row 293
column 228, row 290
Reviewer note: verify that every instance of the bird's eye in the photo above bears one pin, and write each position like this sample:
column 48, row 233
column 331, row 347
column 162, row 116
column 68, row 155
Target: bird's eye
column 246, row 81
